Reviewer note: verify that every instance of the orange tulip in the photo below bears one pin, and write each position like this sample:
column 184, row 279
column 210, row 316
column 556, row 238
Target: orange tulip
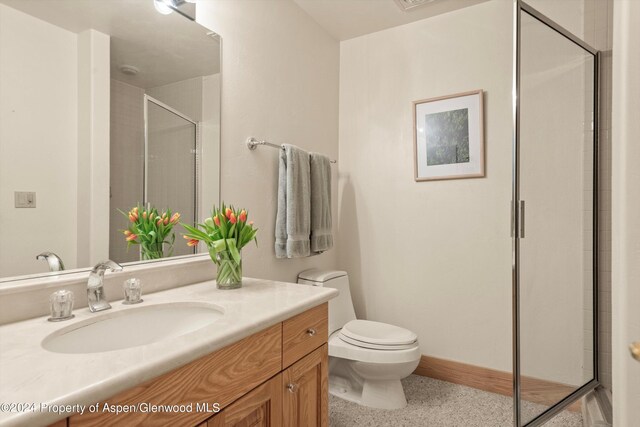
column 243, row 215
column 158, row 222
column 127, row 232
column 133, row 217
column 175, row 218
column 144, row 214
column 216, row 220
column 232, row 218
column 193, row 242
column 151, row 216
column 228, row 213
column 132, row 237
column 166, row 221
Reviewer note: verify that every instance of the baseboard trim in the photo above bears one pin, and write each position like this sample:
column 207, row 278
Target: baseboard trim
column 494, row 381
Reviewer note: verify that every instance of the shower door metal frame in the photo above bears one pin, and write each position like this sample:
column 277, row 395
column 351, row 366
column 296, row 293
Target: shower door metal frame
column 517, row 217
column 196, row 158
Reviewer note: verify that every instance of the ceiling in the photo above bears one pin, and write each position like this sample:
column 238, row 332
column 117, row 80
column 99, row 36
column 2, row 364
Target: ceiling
column 165, row 48
column 346, row 19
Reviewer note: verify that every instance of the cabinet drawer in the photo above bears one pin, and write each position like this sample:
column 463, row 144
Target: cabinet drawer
column 221, row 377
column 304, row 333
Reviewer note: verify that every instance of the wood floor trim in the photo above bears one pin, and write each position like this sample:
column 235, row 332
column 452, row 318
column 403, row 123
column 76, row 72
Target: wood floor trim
column 494, row 381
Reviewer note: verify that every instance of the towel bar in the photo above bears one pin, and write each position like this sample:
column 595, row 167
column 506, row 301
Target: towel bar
column 252, row 143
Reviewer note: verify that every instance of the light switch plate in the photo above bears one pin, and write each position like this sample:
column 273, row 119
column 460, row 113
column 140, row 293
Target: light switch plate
column 25, row 199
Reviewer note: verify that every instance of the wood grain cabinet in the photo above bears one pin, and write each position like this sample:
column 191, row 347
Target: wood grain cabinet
column 305, row 402
column 276, row 377
column 261, row 407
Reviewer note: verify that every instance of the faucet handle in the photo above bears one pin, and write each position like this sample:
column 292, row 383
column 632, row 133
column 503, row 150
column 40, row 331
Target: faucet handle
column 61, row 304
column 103, row 266
column 132, row 291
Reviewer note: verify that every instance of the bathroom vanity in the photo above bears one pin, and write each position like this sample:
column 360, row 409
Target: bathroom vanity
column 263, row 361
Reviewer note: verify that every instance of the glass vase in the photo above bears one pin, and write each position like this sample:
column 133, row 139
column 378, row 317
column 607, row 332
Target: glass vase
column 152, row 252
column 229, row 271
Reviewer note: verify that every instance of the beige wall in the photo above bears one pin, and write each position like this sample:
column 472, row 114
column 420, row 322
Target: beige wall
column 280, row 82
column 433, row 256
column 38, row 141
column 625, row 208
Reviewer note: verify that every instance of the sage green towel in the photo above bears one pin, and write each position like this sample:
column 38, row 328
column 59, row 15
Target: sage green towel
column 294, row 204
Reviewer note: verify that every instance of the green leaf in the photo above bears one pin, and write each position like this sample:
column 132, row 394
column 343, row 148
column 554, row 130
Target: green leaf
column 219, row 245
column 231, row 243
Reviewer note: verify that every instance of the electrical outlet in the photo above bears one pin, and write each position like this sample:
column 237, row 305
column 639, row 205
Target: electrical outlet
column 25, row 199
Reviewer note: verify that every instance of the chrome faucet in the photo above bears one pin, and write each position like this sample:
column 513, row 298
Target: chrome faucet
column 54, row 261
column 95, row 286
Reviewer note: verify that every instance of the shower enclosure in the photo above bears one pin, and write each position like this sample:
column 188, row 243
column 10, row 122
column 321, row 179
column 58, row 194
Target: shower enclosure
column 554, row 217
column 171, row 163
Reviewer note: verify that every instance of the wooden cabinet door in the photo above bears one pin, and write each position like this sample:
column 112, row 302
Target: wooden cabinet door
column 306, row 392
column 262, row 407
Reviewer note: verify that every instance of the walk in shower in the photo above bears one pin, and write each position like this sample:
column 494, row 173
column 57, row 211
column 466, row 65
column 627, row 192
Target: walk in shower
column 171, row 163
column 555, row 252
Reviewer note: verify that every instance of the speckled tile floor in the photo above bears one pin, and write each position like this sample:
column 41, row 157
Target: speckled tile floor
column 433, row 403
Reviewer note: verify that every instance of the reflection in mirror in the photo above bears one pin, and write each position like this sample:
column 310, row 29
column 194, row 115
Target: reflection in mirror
column 106, row 105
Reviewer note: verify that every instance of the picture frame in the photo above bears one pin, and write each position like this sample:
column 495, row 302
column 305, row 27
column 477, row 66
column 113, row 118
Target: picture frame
column 448, row 137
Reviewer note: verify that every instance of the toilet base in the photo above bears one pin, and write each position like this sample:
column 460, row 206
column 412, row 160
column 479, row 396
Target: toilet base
column 387, row 394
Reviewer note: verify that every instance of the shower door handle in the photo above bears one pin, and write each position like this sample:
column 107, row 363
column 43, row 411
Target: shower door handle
column 521, row 219
column 517, row 213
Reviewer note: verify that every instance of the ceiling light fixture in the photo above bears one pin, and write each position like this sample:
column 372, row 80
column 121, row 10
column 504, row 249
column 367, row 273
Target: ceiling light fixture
column 162, row 6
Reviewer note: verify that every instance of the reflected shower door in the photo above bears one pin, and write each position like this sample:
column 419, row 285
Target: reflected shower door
column 171, row 164
column 554, row 184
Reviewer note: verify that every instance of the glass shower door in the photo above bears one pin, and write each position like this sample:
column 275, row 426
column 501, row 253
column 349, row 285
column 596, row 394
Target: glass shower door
column 555, row 268
column 171, row 164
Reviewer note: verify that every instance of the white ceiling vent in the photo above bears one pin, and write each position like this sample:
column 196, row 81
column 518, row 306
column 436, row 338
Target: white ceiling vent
column 409, row 5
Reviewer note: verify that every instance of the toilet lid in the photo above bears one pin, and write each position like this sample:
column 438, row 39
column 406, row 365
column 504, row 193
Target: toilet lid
column 367, row 331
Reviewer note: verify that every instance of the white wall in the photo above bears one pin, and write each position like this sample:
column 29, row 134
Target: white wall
column 625, row 208
column 432, row 256
column 38, row 141
column 280, row 80
column 94, row 91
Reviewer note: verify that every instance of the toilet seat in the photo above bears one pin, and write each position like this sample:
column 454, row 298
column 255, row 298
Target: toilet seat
column 338, row 347
column 377, row 335
column 374, row 346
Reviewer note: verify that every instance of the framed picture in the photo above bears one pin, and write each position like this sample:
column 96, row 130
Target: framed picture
column 448, row 137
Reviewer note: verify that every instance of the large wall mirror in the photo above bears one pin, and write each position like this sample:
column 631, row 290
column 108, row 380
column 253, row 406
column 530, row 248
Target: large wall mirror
column 104, row 106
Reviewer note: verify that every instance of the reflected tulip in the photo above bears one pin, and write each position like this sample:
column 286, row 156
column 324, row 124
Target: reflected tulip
column 132, row 237
column 193, row 242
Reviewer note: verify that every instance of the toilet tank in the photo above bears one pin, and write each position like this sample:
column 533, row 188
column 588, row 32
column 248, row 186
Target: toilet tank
column 341, row 307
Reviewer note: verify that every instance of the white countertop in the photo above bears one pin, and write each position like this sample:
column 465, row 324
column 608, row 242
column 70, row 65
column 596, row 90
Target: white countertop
column 30, row 374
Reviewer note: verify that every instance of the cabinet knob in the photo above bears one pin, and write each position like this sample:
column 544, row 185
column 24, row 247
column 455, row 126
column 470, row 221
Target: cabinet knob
column 311, row 332
column 292, row 387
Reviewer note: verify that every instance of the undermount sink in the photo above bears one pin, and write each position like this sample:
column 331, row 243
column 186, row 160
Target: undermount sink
column 132, row 327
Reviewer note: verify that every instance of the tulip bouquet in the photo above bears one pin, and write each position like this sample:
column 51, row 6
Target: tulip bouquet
column 225, row 233
column 151, row 230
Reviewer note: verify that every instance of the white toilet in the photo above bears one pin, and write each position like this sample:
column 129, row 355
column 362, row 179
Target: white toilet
column 367, row 359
